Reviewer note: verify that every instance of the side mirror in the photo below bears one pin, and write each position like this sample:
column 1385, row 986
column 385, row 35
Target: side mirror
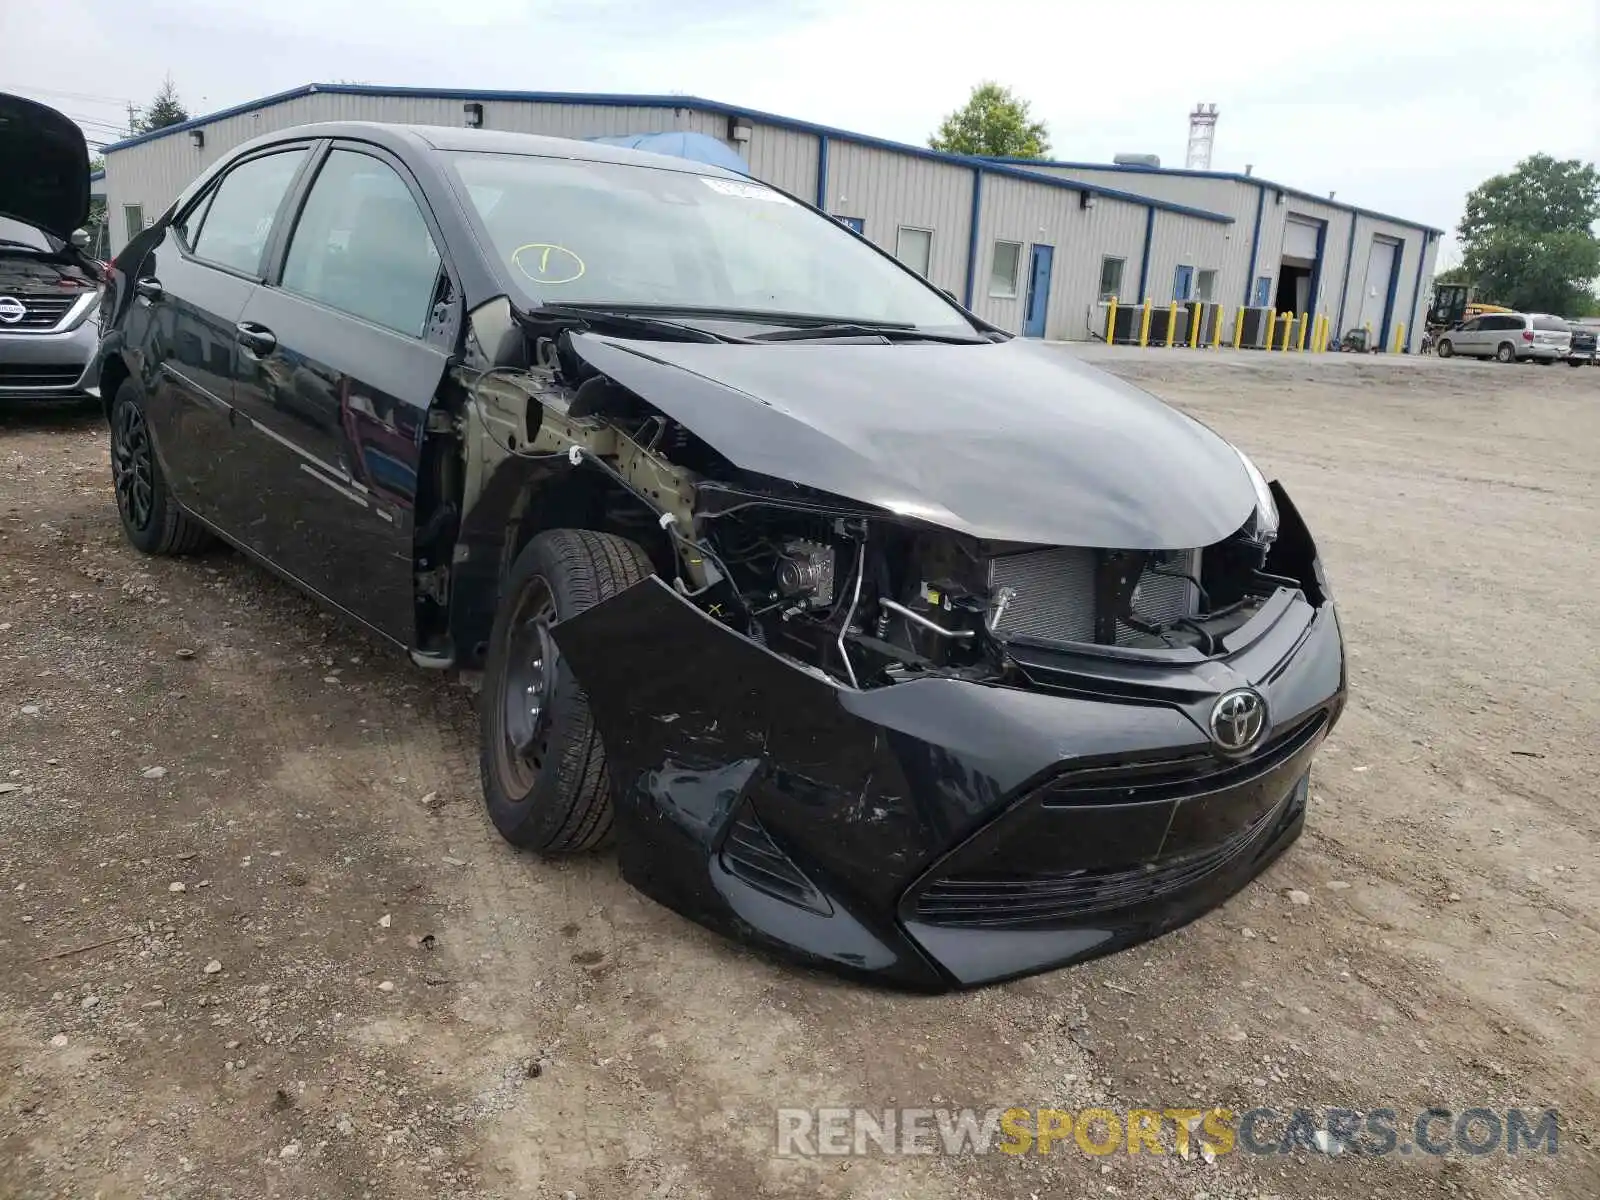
column 80, row 238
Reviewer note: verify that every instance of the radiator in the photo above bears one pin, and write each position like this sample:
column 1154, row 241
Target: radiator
column 1053, row 594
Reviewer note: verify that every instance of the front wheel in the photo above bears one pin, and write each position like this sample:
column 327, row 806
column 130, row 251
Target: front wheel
column 151, row 519
column 1446, row 349
column 1506, row 353
column 542, row 765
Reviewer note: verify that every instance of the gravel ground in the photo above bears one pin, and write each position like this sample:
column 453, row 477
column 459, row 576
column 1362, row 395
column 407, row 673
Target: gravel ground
column 257, row 937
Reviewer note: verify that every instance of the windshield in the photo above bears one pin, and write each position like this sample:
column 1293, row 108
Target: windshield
column 27, row 235
column 573, row 231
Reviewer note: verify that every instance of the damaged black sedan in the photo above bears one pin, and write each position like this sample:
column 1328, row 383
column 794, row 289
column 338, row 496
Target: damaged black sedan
column 866, row 631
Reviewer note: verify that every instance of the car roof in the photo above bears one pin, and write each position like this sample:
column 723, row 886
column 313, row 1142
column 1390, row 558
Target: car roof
column 489, row 141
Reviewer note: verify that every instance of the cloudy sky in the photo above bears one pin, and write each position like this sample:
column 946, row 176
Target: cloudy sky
column 1398, row 105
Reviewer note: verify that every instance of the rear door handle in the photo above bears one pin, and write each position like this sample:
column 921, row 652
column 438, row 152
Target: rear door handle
column 257, row 339
column 149, row 287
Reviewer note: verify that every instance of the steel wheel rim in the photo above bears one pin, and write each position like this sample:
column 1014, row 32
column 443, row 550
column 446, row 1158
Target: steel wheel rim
column 528, row 688
column 132, row 467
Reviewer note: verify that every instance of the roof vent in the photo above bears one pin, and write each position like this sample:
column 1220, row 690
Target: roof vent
column 1137, row 160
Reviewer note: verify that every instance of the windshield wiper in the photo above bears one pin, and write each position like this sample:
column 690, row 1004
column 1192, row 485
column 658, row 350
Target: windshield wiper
column 23, row 245
column 625, row 323
column 893, row 333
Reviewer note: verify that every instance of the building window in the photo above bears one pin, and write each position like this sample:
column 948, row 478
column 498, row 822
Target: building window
column 859, row 224
column 914, row 247
column 133, row 216
column 1205, row 287
column 1003, row 270
column 1111, row 278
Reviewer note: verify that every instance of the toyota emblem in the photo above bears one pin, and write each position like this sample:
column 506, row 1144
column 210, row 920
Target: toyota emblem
column 1237, row 719
column 11, row 310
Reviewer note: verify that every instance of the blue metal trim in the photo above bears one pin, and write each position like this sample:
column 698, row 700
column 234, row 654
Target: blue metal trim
column 1388, row 302
column 1344, row 292
column 1316, row 266
column 1144, row 266
column 822, row 171
column 1416, row 292
column 674, row 102
column 1130, row 169
column 1255, row 245
column 972, row 238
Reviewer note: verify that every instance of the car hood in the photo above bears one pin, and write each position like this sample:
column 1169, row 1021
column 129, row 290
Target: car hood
column 44, row 167
column 1009, row 441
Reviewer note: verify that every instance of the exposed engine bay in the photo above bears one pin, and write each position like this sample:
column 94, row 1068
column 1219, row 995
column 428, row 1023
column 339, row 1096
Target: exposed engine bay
column 861, row 595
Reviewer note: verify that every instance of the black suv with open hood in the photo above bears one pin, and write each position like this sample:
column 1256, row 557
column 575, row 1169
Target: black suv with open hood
column 49, row 289
column 866, row 631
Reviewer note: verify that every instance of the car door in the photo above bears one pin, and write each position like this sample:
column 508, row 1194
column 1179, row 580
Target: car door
column 341, row 354
column 1466, row 339
column 193, row 284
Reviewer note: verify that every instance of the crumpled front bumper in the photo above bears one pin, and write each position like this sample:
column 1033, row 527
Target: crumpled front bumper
column 938, row 833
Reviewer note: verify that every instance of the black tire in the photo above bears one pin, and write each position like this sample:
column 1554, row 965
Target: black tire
column 1506, row 353
column 542, row 766
column 152, row 520
column 1446, row 349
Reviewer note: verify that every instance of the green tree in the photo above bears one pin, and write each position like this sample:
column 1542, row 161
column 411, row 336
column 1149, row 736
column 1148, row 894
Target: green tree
column 994, row 121
column 166, row 109
column 1528, row 237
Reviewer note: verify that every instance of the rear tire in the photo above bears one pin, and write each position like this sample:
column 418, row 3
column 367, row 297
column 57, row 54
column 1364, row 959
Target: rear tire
column 152, row 520
column 1446, row 349
column 541, row 762
column 1506, row 353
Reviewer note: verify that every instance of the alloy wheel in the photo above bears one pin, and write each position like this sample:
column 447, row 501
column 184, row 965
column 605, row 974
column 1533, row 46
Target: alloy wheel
column 132, row 467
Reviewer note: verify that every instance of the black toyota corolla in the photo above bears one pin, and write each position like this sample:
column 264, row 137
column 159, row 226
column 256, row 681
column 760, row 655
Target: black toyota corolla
column 866, row 631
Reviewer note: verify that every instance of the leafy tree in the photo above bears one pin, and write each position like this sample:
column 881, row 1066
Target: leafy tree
column 1528, row 236
column 166, row 109
column 994, row 121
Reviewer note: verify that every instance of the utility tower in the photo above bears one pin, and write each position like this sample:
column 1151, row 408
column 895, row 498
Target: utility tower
column 1202, row 132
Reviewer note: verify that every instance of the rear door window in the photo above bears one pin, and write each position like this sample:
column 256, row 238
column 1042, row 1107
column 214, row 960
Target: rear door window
column 1551, row 325
column 239, row 218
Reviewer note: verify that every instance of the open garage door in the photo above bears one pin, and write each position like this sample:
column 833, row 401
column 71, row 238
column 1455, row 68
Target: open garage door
column 1297, row 268
column 1377, row 290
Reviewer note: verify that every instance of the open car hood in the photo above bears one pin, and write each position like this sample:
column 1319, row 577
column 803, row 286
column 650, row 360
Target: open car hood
column 44, row 167
column 1009, row 441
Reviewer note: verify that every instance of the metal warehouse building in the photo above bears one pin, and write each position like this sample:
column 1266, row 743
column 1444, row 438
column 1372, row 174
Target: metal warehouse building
column 1035, row 247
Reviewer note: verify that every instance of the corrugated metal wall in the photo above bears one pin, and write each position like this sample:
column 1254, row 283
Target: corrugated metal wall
column 1015, row 210
column 152, row 173
column 1184, row 241
column 888, row 190
column 1410, row 300
column 785, row 158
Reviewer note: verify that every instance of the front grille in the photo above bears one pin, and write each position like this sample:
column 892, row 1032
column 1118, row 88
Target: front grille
column 1176, row 778
column 750, row 854
column 1046, row 899
column 1053, row 593
column 32, row 375
column 40, row 311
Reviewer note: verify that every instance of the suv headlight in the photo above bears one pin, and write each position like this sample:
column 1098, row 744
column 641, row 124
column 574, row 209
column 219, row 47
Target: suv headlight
column 1266, row 516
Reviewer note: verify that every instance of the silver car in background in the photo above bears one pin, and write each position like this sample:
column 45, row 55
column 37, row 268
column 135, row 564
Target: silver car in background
column 1509, row 337
column 49, row 316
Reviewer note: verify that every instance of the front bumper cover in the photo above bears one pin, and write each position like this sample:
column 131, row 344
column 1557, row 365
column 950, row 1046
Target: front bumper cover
column 938, row 833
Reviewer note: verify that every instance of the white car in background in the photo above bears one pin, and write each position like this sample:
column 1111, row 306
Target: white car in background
column 1509, row 337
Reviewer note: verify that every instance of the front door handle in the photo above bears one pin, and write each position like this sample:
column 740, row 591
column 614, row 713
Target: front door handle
column 257, row 339
column 149, row 287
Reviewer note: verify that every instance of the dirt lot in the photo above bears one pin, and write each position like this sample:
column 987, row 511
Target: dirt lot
column 359, row 990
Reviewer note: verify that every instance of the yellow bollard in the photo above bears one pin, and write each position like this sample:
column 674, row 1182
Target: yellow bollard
column 1272, row 329
column 1368, row 328
column 1327, row 327
column 1238, row 327
column 1216, row 326
column 1286, row 319
column 1172, row 324
column 1400, row 339
column 1144, row 324
column 1111, row 322
column 1301, row 344
column 1199, row 323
